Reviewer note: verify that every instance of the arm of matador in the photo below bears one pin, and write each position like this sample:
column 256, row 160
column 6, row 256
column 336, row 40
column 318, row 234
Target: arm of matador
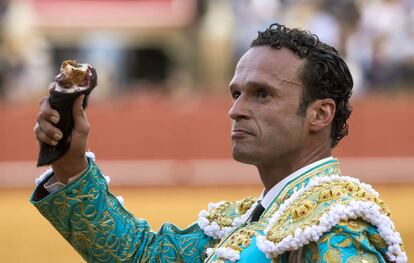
column 351, row 241
column 92, row 220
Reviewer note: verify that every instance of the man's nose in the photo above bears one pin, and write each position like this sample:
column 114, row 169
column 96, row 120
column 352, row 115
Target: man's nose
column 239, row 109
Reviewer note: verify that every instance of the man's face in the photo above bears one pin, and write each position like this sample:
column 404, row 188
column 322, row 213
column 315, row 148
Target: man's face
column 266, row 91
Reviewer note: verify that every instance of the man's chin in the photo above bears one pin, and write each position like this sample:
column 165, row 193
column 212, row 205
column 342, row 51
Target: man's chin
column 241, row 157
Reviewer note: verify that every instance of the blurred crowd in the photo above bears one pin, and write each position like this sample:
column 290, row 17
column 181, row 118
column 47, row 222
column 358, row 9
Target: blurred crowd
column 376, row 38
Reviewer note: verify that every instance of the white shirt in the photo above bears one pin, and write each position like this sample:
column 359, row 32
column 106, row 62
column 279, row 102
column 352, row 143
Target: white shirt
column 53, row 185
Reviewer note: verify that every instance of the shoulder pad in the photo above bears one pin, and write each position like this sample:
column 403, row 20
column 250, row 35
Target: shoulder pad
column 224, row 216
column 326, row 201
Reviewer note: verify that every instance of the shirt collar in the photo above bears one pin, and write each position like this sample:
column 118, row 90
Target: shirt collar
column 275, row 190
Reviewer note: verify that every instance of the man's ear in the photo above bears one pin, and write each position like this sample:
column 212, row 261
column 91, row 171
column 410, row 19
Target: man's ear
column 321, row 114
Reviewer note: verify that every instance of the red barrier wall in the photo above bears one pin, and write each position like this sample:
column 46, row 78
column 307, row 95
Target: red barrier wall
column 197, row 127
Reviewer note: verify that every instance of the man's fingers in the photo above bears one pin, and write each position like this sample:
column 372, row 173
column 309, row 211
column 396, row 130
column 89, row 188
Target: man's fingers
column 77, row 105
column 49, row 129
column 52, row 87
column 47, row 112
column 43, row 137
column 79, row 116
column 44, row 130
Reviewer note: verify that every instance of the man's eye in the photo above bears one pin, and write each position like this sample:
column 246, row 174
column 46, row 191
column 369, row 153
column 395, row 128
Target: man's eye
column 263, row 94
column 235, row 94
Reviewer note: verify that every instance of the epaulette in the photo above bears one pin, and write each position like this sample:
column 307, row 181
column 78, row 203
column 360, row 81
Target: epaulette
column 323, row 203
column 222, row 217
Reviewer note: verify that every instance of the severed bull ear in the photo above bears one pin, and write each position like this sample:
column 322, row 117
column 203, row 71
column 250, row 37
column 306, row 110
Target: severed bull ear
column 73, row 80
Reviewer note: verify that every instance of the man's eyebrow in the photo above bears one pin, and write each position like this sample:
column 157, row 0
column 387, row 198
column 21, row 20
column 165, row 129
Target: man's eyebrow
column 261, row 84
column 254, row 84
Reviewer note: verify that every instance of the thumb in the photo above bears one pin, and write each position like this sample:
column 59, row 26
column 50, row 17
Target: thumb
column 80, row 119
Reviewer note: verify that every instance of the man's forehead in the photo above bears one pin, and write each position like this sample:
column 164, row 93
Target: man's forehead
column 267, row 62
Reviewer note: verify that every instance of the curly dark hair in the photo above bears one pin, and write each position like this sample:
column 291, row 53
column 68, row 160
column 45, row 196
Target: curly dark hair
column 324, row 74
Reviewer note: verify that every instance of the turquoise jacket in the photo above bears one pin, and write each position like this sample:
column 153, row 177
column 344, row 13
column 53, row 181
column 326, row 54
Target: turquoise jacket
column 93, row 221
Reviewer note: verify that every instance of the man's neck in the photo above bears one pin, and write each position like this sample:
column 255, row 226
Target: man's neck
column 277, row 171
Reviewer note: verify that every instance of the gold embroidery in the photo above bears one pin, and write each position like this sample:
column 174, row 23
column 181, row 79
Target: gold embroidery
column 345, row 243
column 310, row 206
column 383, row 206
column 366, row 258
column 377, row 241
column 325, row 169
column 90, row 218
column 245, row 204
column 353, row 225
column 313, row 247
column 225, row 213
column 325, row 195
column 334, row 193
column 306, row 211
column 303, row 210
column 351, row 187
column 240, row 239
column 218, row 215
column 332, row 256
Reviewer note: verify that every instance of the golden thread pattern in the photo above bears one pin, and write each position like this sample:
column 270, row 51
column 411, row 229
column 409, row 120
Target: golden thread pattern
column 92, row 220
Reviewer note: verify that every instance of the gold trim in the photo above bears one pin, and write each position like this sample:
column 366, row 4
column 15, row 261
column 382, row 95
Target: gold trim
column 325, row 169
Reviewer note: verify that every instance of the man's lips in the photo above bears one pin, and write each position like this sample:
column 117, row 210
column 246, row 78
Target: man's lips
column 239, row 133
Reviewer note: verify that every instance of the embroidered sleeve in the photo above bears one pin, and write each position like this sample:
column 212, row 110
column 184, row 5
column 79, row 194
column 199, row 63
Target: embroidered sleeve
column 96, row 224
column 351, row 241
